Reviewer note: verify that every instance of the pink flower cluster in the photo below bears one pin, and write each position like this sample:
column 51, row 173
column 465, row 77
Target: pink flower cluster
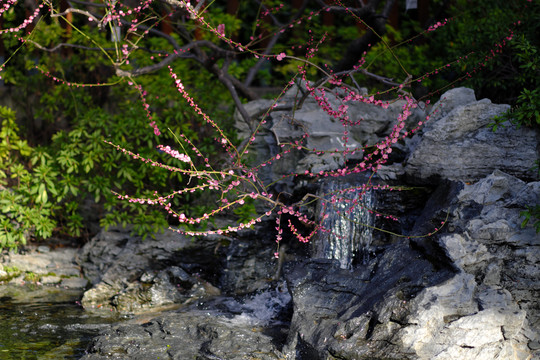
column 156, row 129
column 25, row 23
column 174, row 153
column 437, row 25
column 6, row 6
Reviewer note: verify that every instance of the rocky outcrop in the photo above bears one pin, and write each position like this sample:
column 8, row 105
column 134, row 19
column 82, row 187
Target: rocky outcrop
column 42, row 266
column 324, row 133
column 459, row 144
column 193, row 335
column 132, row 275
column 356, row 314
column 476, row 298
column 468, row 291
column 219, row 328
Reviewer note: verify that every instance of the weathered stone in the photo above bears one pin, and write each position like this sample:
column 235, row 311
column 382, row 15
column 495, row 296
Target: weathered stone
column 461, row 146
column 180, row 336
column 466, row 253
column 447, row 320
column 117, row 263
column 74, row 283
column 325, row 134
column 42, row 265
column 333, row 307
column 449, row 101
column 50, row 279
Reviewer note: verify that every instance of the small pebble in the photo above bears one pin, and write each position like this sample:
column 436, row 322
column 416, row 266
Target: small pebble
column 43, row 249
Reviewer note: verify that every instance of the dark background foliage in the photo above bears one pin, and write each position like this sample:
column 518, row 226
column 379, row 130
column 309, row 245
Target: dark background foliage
column 57, row 173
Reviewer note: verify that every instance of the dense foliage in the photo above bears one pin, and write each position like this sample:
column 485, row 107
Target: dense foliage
column 498, row 42
column 70, row 90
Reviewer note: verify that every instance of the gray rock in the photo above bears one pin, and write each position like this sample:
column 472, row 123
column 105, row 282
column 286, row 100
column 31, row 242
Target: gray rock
column 467, row 254
column 43, row 249
column 50, row 279
column 44, row 265
column 74, row 283
column 448, row 322
column 180, row 336
column 449, row 101
column 320, row 133
column 357, row 314
column 132, row 275
column 409, row 304
column 461, row 146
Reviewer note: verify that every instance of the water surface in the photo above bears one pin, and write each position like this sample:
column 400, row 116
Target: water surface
column 42, row 322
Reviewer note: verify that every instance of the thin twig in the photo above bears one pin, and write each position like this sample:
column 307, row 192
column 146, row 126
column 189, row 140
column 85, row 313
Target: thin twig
column 78, row 11
column 255, row 69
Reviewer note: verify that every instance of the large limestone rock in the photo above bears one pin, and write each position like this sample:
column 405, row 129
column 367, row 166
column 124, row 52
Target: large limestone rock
column 458, row 143
column 316, row 130
column 470, row 292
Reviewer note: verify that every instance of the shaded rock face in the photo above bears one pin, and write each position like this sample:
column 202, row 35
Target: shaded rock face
column 247, row 327
column 356, row 314
column 132, row 275
column 470, row 292
column 458, row 144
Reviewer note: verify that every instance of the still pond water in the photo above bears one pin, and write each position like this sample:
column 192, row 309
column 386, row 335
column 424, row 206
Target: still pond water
column 41, row 322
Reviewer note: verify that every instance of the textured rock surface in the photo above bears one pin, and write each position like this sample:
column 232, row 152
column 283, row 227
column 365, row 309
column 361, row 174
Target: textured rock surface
column 356, row 314
column 220, row 328
column 325, row 133
column 473, row 293
column 469, row 291
column 181, row 336
column 458, row 144
column 130, row 274
column 43, row 266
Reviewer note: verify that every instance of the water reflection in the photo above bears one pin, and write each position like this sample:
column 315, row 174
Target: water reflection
column 45, row 323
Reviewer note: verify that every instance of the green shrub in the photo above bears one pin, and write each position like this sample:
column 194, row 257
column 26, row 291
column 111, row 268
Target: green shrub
column 497, row 44
column 66, row 178
column 532, row 216
column 28, row 190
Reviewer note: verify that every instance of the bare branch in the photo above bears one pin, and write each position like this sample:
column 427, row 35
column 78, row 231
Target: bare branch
column 362, row 12
column 180, row 53
column 384, row 80
column 58, row 46
column 78, row 11
column 151, row 68
column 225, row 79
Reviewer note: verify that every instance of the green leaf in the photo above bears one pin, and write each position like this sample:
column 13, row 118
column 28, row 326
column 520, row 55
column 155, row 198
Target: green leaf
column 42, row 194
